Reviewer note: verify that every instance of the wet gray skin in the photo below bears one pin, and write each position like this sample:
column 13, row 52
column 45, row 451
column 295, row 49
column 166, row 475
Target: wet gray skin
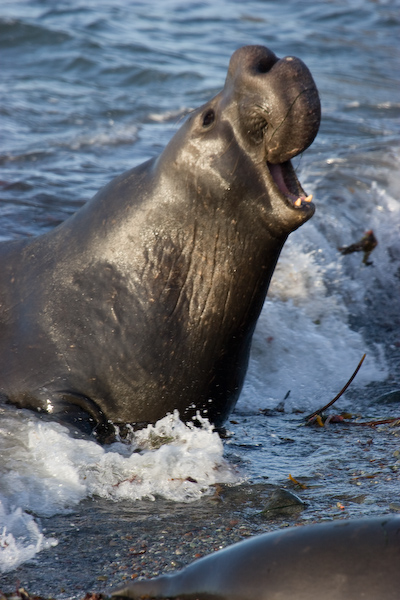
column 343, row 560
column 146, row 299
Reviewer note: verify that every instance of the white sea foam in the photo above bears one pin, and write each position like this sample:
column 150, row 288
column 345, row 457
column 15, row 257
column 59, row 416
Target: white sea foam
column 304, row 341
column 169, row 115
column 305, row 347
column 20, row 538
column 170, row 459
column 113, row 135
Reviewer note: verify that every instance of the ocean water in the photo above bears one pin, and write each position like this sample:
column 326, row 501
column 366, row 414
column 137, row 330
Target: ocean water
column 90, row 89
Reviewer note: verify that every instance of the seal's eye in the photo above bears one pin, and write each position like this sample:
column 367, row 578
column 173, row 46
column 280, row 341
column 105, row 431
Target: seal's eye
column 208, row 118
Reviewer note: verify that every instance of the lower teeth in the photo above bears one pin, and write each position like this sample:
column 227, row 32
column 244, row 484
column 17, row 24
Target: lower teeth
column 301, row 199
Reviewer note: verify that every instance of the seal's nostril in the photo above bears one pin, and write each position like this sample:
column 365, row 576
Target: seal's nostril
column 264, row 65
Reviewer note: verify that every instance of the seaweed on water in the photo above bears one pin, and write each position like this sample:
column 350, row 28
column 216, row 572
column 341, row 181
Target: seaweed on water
column 318, row 417
column 313, row 416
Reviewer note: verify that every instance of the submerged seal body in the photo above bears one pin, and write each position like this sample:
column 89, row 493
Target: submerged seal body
column 146, row 299
column 341, row 560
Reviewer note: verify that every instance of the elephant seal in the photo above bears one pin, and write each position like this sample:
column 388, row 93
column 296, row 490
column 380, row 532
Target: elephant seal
column 341, row 560
column 145, row 300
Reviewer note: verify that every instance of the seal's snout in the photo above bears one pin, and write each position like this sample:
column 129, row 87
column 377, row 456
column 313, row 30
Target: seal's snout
column 294, row 110
column 277, row 100
column 250, row 61
column 261, row 60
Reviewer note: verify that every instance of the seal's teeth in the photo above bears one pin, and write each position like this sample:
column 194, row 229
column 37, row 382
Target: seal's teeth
column 297, row 202
column 309, row 198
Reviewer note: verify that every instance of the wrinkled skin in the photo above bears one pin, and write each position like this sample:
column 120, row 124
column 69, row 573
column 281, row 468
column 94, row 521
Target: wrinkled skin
column 146, row 299
column 342, row 560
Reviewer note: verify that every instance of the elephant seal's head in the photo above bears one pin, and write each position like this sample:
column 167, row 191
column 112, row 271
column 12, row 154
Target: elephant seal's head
column 242, row 140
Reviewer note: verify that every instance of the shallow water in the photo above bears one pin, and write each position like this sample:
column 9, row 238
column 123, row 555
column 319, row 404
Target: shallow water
column 91, row 89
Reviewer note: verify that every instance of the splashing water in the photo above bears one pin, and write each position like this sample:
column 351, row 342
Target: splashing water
column 170, row 459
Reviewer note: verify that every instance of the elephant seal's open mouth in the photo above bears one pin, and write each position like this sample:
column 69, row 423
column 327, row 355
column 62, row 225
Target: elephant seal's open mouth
column 286, row 181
